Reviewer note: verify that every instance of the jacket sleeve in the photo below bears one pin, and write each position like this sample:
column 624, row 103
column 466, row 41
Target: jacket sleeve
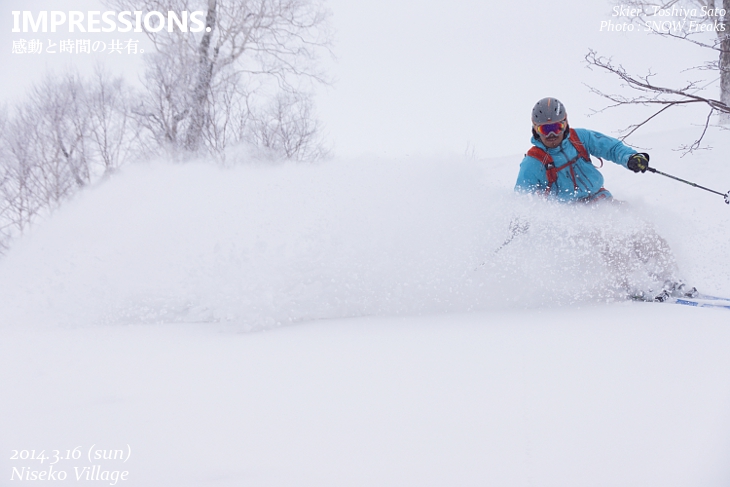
column 531, row 178
column 605, row 147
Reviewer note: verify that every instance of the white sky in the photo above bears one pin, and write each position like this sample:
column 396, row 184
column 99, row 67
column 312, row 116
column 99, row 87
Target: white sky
column 417, row 77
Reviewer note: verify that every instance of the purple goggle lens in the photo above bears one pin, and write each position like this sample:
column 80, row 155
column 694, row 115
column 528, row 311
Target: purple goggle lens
column 551, row 128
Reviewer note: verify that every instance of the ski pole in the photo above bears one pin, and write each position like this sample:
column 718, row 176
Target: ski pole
column 726, row 195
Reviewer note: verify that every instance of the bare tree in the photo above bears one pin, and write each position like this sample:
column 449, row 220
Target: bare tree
column 287, row 127
column 43, row 152
column 65, row 135
column 246, row 77
column 650, row 94
column 6, row 223
column 113, row 136
column 204, row 87
column 22, row 195
column 705, row 23
column 52, row 125
column 714, row 16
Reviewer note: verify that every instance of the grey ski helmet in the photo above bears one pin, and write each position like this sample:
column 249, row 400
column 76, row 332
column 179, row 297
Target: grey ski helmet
column 548, row 110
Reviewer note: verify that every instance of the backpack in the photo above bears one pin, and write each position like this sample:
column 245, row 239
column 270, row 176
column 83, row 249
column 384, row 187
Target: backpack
column 550, row 170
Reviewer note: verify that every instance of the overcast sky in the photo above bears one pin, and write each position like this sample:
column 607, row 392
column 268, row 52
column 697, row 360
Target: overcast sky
column 429, row 77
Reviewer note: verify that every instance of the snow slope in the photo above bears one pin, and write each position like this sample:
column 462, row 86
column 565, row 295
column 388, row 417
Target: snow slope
column 334, row 325
column 600, row 395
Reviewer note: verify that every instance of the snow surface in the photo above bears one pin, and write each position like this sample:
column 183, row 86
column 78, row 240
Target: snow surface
column 349, row 323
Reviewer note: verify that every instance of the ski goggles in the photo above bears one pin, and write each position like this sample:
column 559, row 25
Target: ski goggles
column 556, row 128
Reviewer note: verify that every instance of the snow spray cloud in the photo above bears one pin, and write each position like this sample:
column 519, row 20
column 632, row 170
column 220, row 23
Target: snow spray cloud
column 258, row 246
column 95, row 21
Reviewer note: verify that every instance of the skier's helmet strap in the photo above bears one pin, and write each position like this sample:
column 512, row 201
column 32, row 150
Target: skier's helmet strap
column 548, row 110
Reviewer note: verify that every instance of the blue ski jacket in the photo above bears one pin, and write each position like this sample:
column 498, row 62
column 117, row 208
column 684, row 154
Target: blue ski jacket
column 588, row 182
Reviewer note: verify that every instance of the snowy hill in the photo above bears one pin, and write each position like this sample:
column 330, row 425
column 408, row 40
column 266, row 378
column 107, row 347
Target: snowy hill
column 349, row 323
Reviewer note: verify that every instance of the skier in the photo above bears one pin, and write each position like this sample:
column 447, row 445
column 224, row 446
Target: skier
column 559, row 166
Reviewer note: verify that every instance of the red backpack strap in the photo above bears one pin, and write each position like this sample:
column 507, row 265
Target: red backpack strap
column 547, row 160
column 582, row 152
column 539, row 154
column 575, row 140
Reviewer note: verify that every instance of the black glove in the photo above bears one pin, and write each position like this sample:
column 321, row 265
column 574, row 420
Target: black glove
column 638, row 162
